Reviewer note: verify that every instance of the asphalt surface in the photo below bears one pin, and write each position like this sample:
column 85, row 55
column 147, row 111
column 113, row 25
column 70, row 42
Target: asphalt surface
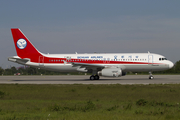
column 84, row 79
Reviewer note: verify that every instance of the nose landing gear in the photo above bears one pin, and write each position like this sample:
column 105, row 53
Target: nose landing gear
column 151, row 76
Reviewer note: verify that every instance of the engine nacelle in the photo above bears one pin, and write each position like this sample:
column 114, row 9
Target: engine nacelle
column 111, row 72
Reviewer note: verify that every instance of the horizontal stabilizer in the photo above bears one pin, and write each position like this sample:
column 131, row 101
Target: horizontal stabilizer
column 18, row 60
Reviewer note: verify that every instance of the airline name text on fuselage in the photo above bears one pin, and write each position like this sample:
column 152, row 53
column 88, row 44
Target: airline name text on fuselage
column 88, row 57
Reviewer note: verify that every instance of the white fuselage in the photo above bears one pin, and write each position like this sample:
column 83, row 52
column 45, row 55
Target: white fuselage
column 126, row 61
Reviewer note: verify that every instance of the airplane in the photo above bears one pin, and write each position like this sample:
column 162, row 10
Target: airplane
column 107, row 65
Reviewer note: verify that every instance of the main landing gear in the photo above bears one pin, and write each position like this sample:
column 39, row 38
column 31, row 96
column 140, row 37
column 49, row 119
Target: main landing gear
column 151, row 76
column 94, row 77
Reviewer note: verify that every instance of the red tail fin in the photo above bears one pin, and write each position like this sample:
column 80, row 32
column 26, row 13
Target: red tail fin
column 24, row 47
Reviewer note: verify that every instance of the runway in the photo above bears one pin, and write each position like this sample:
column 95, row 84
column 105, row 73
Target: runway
column 84, row 79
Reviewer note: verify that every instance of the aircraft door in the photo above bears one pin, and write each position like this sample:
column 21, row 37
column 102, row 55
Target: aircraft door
column 150, row 59
column 41, row 60
column 68, row 58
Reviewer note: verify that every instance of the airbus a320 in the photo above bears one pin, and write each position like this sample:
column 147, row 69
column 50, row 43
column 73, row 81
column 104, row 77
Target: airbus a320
column 107, row 65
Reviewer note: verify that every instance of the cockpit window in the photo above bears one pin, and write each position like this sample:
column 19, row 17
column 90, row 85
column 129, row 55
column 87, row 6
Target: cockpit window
column 162, row 59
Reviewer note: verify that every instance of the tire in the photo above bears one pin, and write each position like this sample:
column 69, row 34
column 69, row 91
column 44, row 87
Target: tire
column 96, row 77
column 92, row 77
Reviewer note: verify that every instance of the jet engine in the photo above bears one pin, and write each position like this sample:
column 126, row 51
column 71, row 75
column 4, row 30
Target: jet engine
column 111, row 72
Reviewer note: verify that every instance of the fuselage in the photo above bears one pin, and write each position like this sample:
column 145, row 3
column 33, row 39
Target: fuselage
column 135, row 62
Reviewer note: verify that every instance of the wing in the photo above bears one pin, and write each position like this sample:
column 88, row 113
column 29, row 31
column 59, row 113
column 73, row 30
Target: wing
column 93, row 68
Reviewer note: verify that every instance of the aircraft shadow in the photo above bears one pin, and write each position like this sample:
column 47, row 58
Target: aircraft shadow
column 134, row 79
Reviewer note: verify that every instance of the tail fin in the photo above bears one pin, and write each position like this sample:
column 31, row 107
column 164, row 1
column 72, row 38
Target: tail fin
column 24, row 47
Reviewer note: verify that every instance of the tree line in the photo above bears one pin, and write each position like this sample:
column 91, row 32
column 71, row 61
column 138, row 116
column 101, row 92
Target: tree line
column 31, row 71
column 36, row 71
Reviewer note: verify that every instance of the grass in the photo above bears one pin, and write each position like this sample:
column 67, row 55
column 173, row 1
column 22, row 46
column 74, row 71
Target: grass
column 92, row 102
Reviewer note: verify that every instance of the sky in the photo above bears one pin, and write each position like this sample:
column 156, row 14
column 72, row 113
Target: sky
column 88, row 26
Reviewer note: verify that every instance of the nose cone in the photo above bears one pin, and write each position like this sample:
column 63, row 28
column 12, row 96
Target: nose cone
column 170, row 64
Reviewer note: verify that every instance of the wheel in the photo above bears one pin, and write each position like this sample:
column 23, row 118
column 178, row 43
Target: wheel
column 96, row 77
column 92, row 77
column 151, row 77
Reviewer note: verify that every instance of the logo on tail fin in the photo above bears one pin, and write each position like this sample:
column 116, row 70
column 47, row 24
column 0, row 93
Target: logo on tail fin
column 21, row 43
